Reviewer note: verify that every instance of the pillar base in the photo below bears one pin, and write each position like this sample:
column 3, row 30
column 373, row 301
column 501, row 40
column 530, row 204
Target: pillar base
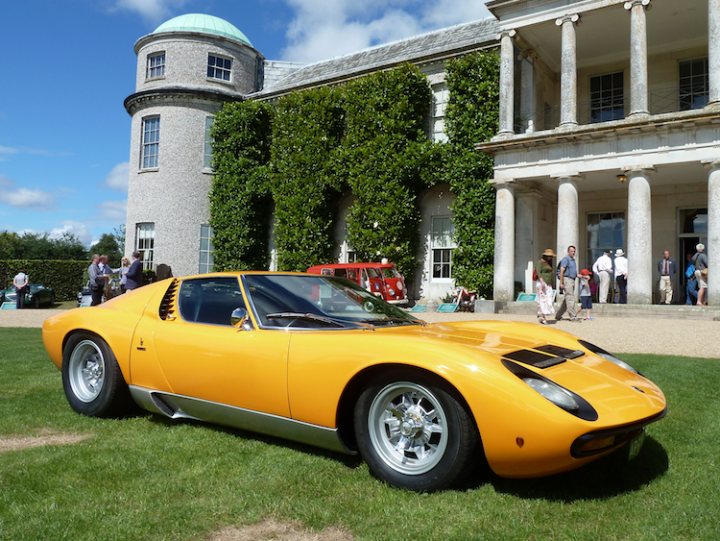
column 639, row 298
column 565, row 126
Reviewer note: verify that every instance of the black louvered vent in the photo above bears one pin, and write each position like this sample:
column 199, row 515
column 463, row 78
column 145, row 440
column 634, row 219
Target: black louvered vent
column 167, row 304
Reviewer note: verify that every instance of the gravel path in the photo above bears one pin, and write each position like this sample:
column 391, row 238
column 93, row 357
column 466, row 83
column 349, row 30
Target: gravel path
column 691, row 338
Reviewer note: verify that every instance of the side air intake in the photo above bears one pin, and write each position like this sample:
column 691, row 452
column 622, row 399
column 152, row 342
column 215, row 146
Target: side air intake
column 167, row 304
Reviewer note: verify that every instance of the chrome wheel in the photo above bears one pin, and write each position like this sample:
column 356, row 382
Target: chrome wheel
column 86, row 371
column 408, row 428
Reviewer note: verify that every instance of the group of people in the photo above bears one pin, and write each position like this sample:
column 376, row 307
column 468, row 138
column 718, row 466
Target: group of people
column 99, row 273
column 605, row 269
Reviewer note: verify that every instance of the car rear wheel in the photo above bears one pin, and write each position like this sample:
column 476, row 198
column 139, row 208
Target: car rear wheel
column 413, row 432
column 92, row 380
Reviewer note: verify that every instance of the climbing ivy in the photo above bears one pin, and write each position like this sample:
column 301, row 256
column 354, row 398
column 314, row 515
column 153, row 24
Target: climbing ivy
column 240, row 197
column 306, row 183
column 366, row 137
column 472, row 117
column 383, row 153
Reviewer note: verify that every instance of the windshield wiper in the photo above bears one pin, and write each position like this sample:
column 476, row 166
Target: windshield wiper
column 391, row 320
column 316, row 317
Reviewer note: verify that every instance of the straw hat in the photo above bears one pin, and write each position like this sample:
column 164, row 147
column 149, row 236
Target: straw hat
column 548, row 251
column 619, row 252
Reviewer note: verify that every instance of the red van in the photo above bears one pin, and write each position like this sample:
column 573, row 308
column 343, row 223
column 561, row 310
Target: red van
column 382, row 279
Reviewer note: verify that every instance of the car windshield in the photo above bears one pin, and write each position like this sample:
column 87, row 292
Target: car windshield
column 282, row 300
column 390, row 272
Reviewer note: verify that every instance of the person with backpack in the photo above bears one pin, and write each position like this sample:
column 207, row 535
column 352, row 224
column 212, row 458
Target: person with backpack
column 567, row 273
column 700, row 263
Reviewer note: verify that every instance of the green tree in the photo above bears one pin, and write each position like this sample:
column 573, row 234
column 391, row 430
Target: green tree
column 107, row 245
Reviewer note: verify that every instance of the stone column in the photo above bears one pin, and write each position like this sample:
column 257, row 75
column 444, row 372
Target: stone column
column 713, row 241
column 504, row 279
column 638, row 57
column 527, row 91
column 568, row 71
column 507, row 84
column 639, row 237
column 714, row 52
column 567, row 215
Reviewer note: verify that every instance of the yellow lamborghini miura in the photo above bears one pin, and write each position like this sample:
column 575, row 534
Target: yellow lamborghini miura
column 318, row 359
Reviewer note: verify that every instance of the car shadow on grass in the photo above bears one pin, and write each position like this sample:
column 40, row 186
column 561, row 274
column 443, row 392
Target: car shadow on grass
column 348, row 460
column 605, row 478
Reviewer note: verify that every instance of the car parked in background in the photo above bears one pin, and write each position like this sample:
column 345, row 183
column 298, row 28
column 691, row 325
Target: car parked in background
column 381, row 279
column 37, row 295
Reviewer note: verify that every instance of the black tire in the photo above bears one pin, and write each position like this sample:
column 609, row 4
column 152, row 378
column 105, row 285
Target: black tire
column 414, row 433
column 92, row 380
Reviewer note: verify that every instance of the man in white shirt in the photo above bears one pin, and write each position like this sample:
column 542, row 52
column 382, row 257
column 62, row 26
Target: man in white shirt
column 21, row 283
column 621, row 274
column 603, row 268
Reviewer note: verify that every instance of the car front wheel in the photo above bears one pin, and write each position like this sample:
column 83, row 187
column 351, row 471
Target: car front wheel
column 92, row 380
column 414, row 434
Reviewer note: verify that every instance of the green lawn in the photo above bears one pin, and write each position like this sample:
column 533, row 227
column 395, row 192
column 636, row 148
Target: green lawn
column 147, row 478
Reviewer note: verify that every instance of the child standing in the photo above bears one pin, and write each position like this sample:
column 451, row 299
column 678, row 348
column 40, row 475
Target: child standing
column 585, row 293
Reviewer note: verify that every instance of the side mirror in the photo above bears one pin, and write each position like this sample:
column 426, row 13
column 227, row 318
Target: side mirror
column 240, row 320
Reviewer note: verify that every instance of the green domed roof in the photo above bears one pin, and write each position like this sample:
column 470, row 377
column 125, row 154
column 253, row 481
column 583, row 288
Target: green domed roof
column 202, row 24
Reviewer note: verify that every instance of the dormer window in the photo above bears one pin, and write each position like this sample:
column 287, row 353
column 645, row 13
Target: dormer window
column 219, row 67
column 155, row 65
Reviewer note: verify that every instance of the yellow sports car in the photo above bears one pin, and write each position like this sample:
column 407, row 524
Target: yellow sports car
column 319, row 360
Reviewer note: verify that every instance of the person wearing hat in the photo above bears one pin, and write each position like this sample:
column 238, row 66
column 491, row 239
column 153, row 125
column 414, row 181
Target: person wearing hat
column 621, row 275
column 603, row 268
column 585, row 293
column 543, row 285
column 701, row 264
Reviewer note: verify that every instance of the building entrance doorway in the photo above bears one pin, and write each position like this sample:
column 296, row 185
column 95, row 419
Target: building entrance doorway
column 692, row 225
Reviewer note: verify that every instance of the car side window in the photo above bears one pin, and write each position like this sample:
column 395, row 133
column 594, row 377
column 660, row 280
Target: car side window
column 210, row 300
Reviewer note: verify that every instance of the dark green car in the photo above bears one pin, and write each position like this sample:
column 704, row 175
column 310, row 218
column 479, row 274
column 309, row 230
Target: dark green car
column 37, row 295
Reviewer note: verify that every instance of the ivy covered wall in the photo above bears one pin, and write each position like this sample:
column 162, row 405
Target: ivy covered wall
column 366, row 137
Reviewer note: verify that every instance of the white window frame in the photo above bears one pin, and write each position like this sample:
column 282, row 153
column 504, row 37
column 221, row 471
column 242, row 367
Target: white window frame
column 692, row 95
column 207, row 150
column 145, row 243
column 615, row 92
column 207, row 258
column 150, row 144
column 438, row 246
column 219, row 72
column 155, row 70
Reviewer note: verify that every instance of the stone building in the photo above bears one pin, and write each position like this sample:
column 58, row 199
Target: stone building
column 609, row 135
column 192, row 64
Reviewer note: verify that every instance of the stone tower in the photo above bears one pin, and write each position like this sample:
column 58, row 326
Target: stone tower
column 186, row 69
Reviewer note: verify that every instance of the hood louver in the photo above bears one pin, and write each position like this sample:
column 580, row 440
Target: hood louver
column 167, row 304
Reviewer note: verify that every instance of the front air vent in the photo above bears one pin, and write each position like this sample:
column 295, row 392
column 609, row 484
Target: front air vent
column 167, row 304
column 558, row 351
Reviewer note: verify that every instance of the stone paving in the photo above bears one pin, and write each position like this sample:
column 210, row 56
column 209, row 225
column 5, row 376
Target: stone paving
column 655, row 335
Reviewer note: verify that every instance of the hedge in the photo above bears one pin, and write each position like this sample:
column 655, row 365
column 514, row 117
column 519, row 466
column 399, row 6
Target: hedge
column 65, row 277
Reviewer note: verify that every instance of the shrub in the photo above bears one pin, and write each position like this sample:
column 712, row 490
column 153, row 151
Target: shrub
column 65, row 277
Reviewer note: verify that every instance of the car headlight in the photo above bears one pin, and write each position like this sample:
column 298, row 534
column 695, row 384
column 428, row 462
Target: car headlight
column 552, row 392
column 391, row 291
column 608, row 356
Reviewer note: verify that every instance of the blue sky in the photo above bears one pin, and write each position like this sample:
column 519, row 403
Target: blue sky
column 67, row 65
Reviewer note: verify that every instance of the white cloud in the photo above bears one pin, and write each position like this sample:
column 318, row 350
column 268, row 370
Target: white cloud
column 113, row 210
column 117, row 178
column 7, row 151
column 78, row 229
column 323, row 29
column 26, row 198
column 151, row 10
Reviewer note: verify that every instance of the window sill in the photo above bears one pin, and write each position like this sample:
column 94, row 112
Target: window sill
column 151, row 79
column 149, row 170
column 221, row 81
column 208, row 171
